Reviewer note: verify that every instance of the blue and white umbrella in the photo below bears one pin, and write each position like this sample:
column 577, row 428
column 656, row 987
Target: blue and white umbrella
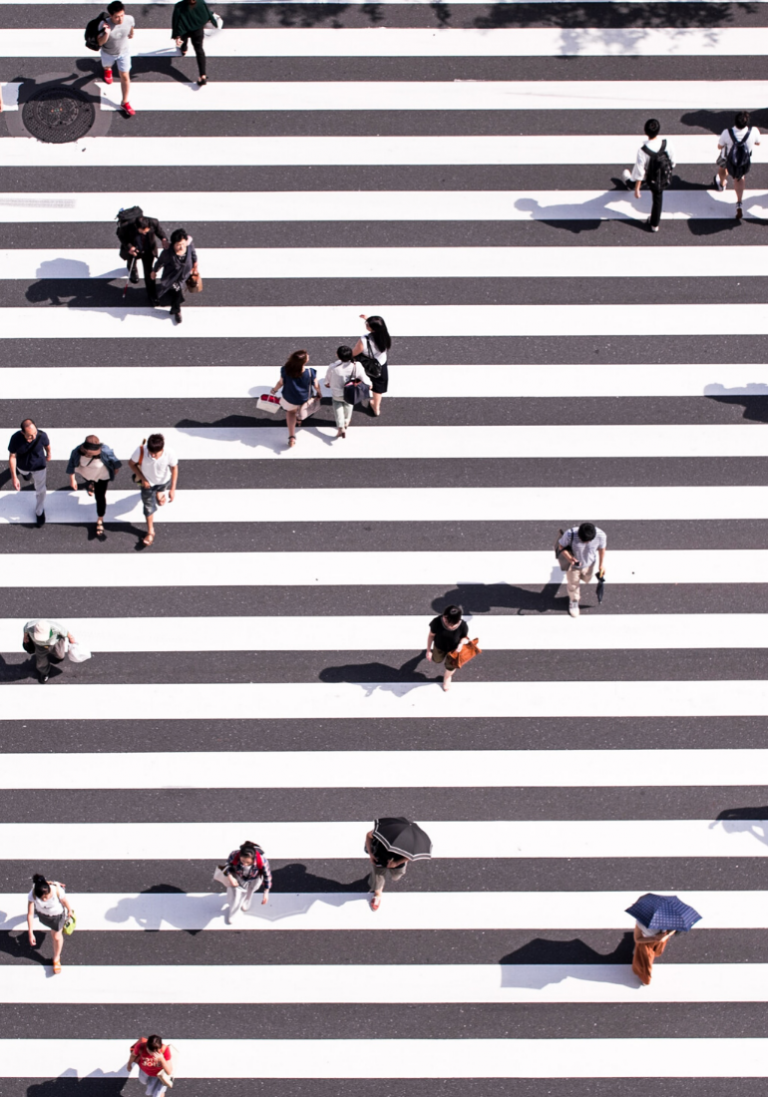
column 664, row 912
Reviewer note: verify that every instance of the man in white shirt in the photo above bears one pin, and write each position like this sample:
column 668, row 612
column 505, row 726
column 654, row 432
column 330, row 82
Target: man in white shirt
column 578, row 550
column 114, row 38
column 735, row 146
column 654, row 163
column 158, row 467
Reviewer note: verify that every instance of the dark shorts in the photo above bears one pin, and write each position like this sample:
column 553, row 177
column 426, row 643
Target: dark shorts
column 438, row 656
column 56, row 923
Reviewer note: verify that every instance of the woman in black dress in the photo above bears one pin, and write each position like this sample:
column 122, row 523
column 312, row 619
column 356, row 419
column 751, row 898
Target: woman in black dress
column 375, row 343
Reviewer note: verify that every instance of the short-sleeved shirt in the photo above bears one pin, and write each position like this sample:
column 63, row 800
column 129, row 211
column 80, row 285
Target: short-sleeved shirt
column 447, row 639
column 156, row 470
column 52, row 907
column 339, row 373
column 643, row 159
column 147, row 1060
column 297, row 390
column 118, row 43
column 584, row 551
column 724, row 140
column 30, row 456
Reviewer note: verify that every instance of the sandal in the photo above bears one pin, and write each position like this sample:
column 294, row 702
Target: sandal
column 148, row 539
column 291, row 440
column 91, row 488
column 375, row 902
column 57, row 967
column 202, row 81
column 99, row 527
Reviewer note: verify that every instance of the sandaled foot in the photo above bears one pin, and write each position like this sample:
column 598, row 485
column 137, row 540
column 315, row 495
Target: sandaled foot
column 148, row 539
column 291, row 440
column 99, row 528
column 446, row 684
column 57, row 967
column 91, row 489
column 375, row 902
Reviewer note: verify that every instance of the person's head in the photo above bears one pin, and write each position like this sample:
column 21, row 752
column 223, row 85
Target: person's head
column 379, row 333
column 179, row 238
column 41, row 633
column 155, row 444
column 652, row 128
column 741, row 121
column 40, row 886
column 91, row 447
column 28, row 429
column 344, row 354
column 587, row 531
column 452, row 615
column 247, row 853
column 154, row 1043
column 296, row 363
column 142, row 225
column 116, row 11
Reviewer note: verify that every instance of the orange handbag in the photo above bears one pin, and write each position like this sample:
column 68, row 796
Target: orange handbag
column 466, row 652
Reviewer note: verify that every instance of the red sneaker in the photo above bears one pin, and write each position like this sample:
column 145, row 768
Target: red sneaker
column 129, row 111
column 107, row 76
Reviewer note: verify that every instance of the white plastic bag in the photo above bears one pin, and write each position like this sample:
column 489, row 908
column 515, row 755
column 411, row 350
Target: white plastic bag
column 78, row 654
column 209, row 30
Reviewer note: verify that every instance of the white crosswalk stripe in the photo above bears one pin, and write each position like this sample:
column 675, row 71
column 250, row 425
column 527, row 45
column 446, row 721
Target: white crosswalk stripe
column 259, row 671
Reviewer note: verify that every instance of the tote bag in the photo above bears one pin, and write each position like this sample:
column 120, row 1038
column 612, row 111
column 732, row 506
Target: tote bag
column 268, row 402
column 466, row 652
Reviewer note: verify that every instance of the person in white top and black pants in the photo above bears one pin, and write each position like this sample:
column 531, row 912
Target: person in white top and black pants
column 651, row 167
column 735, row 147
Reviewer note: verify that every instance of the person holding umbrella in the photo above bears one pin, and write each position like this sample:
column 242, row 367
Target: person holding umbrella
column 659, row 917
column 391, row 844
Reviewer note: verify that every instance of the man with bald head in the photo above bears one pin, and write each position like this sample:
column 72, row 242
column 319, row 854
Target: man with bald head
column 29, row 452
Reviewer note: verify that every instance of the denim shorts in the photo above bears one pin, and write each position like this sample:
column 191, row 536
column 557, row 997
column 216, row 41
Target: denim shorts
column 121, row 60
column 149, row 497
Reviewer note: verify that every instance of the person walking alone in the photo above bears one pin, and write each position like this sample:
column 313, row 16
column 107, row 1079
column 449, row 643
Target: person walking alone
column 654, row 164
column 115, row 34
column 41, row 639
column 447, row 633
column 49, row 902
column 648, row 946
column 157, row 467
column 96, row 464
column 375, row 343
column 337, row 376
column 382, row 861
column 297, row 381
column 178, row 263
column 246, row 870
column 735, row 147
column 578, row 549
column 156, row 1065
column 29, row 452
column 189, row 19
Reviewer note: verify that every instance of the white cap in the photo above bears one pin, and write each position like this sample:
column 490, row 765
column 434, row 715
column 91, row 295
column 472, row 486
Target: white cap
column 41, row 633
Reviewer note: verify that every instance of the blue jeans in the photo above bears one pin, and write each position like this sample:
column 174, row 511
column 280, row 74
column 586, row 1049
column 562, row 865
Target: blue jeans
column 149, row 497
column 155, row 1087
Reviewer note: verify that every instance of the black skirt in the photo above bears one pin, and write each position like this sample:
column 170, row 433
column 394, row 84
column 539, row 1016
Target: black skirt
column 381, row 384
column 55, row 922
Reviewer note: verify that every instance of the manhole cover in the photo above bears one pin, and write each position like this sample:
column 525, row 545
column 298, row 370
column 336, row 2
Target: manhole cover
column 58, row 115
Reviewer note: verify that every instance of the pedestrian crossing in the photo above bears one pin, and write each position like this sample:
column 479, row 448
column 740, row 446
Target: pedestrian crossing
column 259, row 672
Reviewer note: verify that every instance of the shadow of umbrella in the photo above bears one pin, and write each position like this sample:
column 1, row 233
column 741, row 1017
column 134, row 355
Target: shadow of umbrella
column 744, row 821
column 754, row 400
column 541, row 962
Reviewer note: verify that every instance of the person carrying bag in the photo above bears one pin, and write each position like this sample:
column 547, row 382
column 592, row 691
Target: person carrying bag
column 346, row 380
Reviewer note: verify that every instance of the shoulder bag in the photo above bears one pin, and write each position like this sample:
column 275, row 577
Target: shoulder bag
column 371, row 365
column 137, row 477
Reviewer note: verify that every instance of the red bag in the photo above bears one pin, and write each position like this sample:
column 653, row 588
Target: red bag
column 466, row 652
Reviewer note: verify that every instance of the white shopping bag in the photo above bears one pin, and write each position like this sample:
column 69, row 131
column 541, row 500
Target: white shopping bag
column 209, row 30
column 78, row 654
column 270, row 403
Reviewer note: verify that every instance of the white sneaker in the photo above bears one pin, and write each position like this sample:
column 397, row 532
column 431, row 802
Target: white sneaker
column 573, row 609
column 626, row 175
column 245, row 905
column 718, row 184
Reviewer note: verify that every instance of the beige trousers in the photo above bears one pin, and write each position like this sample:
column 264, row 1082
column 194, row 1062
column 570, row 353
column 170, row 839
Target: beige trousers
column 574, row 577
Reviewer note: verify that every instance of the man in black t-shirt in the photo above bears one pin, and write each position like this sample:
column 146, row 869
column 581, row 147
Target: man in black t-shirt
column 447, row 633
column 29, row 452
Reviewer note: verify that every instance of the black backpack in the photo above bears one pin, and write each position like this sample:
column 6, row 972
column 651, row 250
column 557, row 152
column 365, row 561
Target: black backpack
column 92, row 31
column 739, row 158
column 658, row 174
column 125, row 219
column 371, row 365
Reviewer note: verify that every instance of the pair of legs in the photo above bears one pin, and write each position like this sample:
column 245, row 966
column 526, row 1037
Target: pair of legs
column 174, row 298
column 738, row 184
column 342, row 412
column 240, row 898
column 198, row 38
column 153, row 497
column 123, row 62
column 574, row 577
column 450, row 666
column 98, row 489
column 146, row 260
column 38, row 478
column 378, row 878
column 155, row 1087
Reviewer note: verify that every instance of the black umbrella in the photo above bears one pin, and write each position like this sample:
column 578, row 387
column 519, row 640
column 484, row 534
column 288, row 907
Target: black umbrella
column 600, row 585
column 403, row 837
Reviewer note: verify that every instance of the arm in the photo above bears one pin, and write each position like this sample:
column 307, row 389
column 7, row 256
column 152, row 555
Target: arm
column 277, row 387
column 430, row 642
column 30, row 915
column 12, row 467
column 48, row 453
column 135, row 467
column 174, row 478
column 368, row 838
column 267, row 882
column 601, row 557
column 102, row 38
column 357, row 348
column 566, row 548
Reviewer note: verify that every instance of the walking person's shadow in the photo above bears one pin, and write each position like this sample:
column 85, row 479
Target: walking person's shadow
column 99, row 1084
column 754, row 401
column 746, row 820
column 540, row 962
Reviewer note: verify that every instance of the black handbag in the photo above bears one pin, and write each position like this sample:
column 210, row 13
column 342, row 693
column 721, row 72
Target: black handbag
column 29, row 646
column 371, row 365
column 356, row 391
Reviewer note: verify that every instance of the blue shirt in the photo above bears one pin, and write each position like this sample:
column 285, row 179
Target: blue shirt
column 30, row 456
column 297, row 390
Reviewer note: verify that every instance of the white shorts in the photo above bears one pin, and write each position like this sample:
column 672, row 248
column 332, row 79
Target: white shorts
column 123, row 61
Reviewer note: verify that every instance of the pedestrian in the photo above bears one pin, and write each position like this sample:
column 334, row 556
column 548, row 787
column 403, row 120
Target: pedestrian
column 139, row 242
column 156, row 467
column 96, row 464
column 654, row 164
column 648, row 945
column 375, row 343
column 338, row 375
column 189, row 19
column 178, row 264
column 156, row 1065
column 29, row 453
column 578, row 549
column 48, row 900
column 382, row 861
column 447, row 633
column 735, row 147
column 297, row 381
column 45, row 640
column 246, row 870
column 115, row 34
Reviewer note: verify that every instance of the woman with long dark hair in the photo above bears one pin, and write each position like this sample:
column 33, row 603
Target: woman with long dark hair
column 375, row 343
column 189, row 19
column 49, row 902
column 297, row 381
